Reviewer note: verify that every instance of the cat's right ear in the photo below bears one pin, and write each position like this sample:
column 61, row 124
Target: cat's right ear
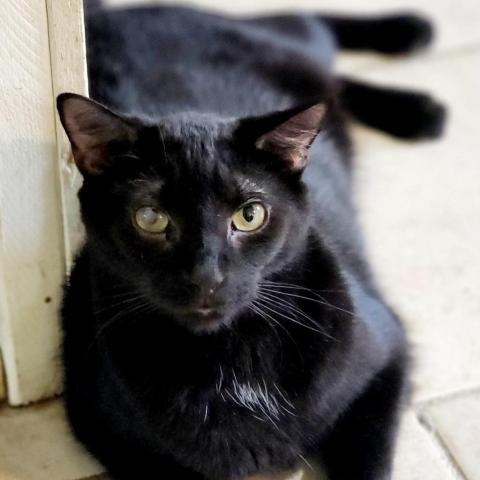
column 285, row 135
column 94, row 131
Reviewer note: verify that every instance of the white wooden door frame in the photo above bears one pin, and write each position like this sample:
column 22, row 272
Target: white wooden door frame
column 42, row 53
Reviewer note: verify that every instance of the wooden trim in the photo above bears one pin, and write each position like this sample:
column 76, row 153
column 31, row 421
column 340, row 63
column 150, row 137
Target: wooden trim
column 38, row 55
column 3, row 387
column 69, row 74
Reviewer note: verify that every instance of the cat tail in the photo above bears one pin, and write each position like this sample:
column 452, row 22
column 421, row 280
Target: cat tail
column 91, row 6
column 405, row 114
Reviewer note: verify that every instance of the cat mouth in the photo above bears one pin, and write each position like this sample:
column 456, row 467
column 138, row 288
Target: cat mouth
column 204, row 319
column 204, row 311
column 205, row 314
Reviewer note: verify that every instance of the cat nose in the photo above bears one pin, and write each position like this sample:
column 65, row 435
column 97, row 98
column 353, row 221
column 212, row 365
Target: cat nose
column 207, row 279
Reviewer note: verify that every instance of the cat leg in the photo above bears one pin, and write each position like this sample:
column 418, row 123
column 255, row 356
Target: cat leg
column 401, row 113
column 157, row 471
column 389, row 34
column 129, row 464
column 125, row 459
column 360, row 445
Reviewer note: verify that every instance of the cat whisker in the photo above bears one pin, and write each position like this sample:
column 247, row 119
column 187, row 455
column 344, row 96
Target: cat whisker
column 319, row 300
column 300, row 287
column 281, row 302
column 117, row 287
column 307, row 463
column 117, row 304
column 274, row 301
column 138, row 308
column 163, row 144
column 296, row 321
column 268, row 317
column 257, row 310
column 291, row 286
column 206, row 414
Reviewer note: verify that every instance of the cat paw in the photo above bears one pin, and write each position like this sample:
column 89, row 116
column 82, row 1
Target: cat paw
column 429, row 119
column 417, row 116
column 403, row 34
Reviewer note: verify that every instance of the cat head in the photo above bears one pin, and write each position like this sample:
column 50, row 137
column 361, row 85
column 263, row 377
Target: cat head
column 192, row 211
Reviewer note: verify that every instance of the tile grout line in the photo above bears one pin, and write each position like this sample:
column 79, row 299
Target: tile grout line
column 420, row 411
column 450, row 461
column 445, row 397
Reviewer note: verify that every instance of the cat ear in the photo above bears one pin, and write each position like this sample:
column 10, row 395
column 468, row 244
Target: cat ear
column 289, row 134
column 94, row 131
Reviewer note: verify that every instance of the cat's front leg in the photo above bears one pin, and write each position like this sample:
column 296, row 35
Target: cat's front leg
column 125, row 460
column 158, row 468
column 360, row 447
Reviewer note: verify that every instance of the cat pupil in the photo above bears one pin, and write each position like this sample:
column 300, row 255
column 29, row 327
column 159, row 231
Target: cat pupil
column 150, row 216
column 248, row 213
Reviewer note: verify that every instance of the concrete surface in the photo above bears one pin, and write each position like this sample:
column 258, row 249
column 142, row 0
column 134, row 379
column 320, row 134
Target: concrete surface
column 420, row 207
column 36, row 444
column 455, row 421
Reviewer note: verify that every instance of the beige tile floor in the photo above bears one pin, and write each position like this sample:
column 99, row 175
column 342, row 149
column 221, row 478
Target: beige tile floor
column 420, row 208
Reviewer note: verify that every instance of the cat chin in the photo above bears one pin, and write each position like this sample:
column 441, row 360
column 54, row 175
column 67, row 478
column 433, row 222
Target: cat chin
column 204, row 323
column 206, row 328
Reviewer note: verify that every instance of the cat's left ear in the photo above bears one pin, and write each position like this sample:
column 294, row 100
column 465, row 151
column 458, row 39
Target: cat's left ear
column 288, row 135
column 95, row 132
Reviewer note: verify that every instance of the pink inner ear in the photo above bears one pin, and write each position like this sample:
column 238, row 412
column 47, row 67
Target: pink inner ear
column 88, row 125
column 90, row 128
column 292, row 139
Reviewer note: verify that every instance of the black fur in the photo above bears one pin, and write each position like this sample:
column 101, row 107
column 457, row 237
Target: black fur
column 395, row 34
column 391, row 110
column 301, row 357
column 90, row 6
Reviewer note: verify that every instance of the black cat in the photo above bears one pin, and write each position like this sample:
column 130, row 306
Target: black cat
column 221, row 319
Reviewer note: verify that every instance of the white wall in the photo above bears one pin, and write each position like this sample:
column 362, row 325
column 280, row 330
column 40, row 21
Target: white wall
column 41, row 52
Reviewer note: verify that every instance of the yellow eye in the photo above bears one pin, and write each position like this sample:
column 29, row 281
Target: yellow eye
column 151, row 220
column 250, row 217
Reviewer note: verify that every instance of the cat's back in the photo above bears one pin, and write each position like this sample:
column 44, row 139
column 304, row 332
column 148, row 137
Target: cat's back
column 156, row 60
